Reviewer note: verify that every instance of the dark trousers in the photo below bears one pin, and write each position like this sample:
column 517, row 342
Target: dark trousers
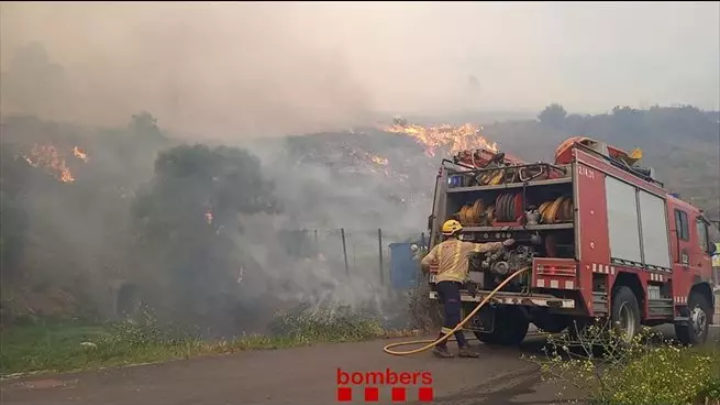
column 449, row 294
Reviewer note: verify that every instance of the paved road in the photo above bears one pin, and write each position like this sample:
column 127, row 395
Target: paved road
column 304, row 375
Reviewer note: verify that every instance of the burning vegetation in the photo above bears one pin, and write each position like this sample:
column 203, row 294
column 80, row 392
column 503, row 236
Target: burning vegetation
column 78, row 153
column 328, row 180
column 455, row 138
column 48, row 158
column 380, row 160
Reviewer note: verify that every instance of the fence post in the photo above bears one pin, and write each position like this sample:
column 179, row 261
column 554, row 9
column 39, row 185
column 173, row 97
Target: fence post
column 342, row 234
column 380, row 253
column 354, row 266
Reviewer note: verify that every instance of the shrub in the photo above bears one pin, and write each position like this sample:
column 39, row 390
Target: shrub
column 72, row 347
column 424, row 312
column 646, row 371
column 339, row 324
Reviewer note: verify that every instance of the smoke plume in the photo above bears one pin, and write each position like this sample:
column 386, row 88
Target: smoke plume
column 247, row 69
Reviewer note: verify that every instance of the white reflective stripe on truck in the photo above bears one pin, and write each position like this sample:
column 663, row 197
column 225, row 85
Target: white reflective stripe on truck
column 517, row 300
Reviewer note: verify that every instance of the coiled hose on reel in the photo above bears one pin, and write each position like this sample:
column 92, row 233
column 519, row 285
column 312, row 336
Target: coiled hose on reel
column 432, row 343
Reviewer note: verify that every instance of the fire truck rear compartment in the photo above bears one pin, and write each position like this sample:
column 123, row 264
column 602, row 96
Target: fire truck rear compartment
column 538, row 214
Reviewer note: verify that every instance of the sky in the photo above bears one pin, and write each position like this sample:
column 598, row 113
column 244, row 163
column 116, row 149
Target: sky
column 269, row 68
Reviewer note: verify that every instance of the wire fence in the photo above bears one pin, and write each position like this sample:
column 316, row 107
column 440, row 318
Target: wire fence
column 356, row 250
column 363, row 250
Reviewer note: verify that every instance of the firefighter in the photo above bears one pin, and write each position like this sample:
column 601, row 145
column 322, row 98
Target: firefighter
column 451, row 258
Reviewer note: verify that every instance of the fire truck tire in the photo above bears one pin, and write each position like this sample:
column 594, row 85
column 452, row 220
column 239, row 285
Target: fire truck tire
column 511, row 327
column 695, row 331
column 625, row 311
column 487, row 338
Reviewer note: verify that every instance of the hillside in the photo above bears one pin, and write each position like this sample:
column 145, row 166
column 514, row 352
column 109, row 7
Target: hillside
column 682, row 144
column 70, row 195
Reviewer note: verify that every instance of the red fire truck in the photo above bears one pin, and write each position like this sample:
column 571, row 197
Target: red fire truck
column 603, row 239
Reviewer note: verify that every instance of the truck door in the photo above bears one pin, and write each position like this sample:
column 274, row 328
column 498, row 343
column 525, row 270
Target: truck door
column 701, row 259
column 692, row 245
column 682, row 239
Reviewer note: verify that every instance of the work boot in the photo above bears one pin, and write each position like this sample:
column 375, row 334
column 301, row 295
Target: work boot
column 442, row 352
column 465, row 352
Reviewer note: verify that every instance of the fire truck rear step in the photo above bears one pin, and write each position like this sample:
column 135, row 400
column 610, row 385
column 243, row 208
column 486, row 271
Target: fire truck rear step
column 509, row 298
column 600, row 303
column 663, row 307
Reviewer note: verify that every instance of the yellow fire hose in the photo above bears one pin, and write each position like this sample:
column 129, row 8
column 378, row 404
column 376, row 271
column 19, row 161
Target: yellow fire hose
column 432, row 343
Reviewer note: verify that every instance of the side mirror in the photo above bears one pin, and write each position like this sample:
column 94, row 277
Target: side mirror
column 430, row 222
column 713, row 249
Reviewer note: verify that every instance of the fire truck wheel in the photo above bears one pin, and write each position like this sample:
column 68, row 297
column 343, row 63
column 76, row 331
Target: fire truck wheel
column 511, row 326
column 695, row 332
column 625, row 312
column 487, row 338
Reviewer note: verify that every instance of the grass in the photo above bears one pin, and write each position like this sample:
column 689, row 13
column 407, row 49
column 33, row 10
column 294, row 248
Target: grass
column 665, row 375
column 63, row 347
column 646, row 371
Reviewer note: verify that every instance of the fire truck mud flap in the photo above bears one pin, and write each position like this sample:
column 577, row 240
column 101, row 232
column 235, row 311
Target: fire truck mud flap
column 517, row 299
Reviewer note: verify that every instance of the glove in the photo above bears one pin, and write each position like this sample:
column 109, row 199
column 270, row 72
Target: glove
column 508, row 242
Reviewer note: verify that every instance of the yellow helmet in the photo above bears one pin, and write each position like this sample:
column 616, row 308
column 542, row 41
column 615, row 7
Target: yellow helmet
column 450, row 227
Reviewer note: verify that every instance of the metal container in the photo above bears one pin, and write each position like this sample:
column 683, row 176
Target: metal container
column 404, row 266
column 456, row 181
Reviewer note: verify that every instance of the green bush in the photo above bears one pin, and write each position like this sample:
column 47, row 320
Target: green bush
column 607, row 370
column 665, row 375
column 425, row 314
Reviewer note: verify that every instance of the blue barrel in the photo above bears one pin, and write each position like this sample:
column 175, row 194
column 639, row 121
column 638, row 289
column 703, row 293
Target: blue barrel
column 404, row 269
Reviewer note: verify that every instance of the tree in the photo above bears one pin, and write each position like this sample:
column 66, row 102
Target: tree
column 13, row 227
column 627, row 121
column 187, row 218
column 553, row 116
column 14, row 172
column 144, row 124
column 399, row 121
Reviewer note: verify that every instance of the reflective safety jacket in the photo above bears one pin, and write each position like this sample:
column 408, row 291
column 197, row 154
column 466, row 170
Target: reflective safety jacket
column 451, row 257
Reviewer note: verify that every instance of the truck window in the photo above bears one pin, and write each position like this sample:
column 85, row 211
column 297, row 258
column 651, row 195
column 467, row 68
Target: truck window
column 702, row 231
column 681, row 224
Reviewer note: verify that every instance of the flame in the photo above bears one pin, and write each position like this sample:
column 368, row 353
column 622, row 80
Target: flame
column 80, row 154
column 379, row 160
column 456, row 138
column 48, row 158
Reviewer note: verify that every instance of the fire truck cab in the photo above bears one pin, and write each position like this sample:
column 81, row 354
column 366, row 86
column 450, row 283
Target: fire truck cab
column 603, row 239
